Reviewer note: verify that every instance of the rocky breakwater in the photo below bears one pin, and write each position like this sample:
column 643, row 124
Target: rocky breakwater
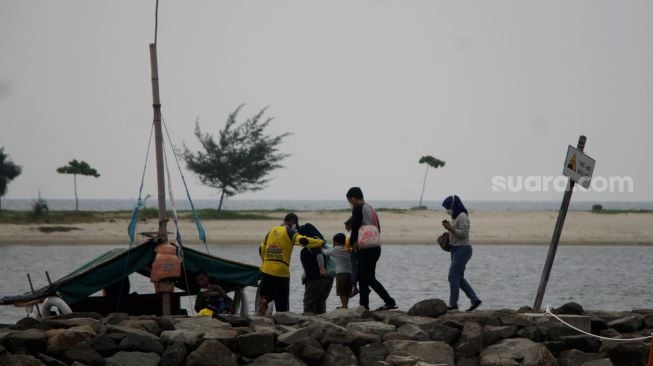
column 425, row 335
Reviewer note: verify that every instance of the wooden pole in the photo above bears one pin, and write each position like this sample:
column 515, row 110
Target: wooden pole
column 32, row 288
column 158, row 143
column 553, row 247
column 160, row 182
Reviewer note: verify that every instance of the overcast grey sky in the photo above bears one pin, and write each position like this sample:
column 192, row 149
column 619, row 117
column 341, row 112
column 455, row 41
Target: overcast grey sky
column 494, row 88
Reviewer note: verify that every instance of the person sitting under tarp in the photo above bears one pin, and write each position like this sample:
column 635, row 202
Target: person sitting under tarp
column 211, row 299
column 119, row 288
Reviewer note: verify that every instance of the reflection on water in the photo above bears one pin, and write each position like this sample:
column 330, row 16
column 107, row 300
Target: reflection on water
column 597, row 277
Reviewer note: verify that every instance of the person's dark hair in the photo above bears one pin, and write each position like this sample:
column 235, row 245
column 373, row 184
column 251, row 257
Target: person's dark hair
column 201, row 272
column 339, row 239
column 355, row 192
column 291, row 217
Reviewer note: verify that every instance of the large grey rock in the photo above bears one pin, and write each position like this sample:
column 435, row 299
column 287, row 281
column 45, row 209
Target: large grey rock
column 277, row 359
column 337, row 355
column 199, row 324
column 414, row 332
column 483, row 317
column 574, row 357
column 187, row 337
column 123, row 358
column 396, row 336
column 253, row 345
column 555, row 331
column 288, row 318
column 597, row 325
column 625, row 353
column 211, row 353
column 431, row 308
column 105, row 345
column 358, row 339
column 555, row 347
column 30, row 341
column 20, row 360
column 343, row 316
column 115, row 318
column 150, row 326
column 471, row 339
column 29, row 323
column 295, row 335
column 174, row 355
column 443, row 333
column 234, row 320
column 323, row 328
column 377, row 328
column 583, row 343
column 599, row 362
column 534, row 333
column 62, row 339
column 83, row 352
column 371, row 354
column 648, row 320
column 77, row 315
column 256, row 320
column 515, row 319
column 423, row 322
column 467, row 361
column 628, row 324
column 493, row 334
column 51, row 324
column 517, row 349
column 570, row 308
column 141, row 343
column 111, row 329
column 47, row 360
column 307, row 349
column 431, row 352
column 402, row 360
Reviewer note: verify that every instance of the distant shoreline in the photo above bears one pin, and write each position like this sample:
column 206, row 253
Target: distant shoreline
column 398, row 227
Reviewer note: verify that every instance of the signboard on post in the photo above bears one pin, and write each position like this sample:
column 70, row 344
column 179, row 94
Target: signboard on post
column 578, row 167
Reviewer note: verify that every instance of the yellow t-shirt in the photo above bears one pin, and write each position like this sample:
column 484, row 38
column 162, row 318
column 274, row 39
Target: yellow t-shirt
column 276, row 250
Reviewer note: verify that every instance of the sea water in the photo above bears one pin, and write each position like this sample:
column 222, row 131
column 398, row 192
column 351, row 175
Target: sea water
column 504, row 276
column 308, row 205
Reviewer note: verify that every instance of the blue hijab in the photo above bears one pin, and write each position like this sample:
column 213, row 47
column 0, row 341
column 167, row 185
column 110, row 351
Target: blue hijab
column 454, row 203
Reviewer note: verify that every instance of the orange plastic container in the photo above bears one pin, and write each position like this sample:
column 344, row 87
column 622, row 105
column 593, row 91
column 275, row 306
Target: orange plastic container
column 166, row 263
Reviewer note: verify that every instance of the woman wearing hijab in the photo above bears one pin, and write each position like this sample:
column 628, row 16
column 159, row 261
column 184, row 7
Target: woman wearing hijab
column 461, row 252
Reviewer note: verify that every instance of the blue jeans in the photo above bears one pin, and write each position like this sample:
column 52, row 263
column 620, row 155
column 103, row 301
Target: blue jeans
column 460, row 255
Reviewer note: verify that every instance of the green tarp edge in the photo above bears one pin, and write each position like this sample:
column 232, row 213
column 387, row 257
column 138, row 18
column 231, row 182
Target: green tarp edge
column 104, row 271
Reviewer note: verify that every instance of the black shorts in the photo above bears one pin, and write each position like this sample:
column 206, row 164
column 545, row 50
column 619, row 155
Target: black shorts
column 343, row 284
column 276, row 289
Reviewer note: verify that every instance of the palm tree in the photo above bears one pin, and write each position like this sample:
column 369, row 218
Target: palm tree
column 8, row 171
column 432, row 162
column 75, row 167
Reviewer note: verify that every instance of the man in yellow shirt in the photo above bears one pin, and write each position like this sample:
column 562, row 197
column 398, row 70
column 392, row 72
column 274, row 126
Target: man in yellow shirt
column 276, row 252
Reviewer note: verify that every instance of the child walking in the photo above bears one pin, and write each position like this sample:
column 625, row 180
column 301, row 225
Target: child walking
column 343, row 269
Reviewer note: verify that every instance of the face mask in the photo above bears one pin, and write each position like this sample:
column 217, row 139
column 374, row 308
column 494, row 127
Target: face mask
column 450, row 212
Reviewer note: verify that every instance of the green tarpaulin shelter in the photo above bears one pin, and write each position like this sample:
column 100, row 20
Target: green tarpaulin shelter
column 116, row 264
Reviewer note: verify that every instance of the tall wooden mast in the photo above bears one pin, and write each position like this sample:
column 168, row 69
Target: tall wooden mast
column 158, row 143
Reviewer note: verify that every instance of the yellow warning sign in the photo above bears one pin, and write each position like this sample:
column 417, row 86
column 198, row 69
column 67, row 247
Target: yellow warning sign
column 578, row 167
column 572, row 163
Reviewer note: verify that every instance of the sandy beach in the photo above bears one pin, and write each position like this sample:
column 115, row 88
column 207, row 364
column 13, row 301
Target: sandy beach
column 406, row 227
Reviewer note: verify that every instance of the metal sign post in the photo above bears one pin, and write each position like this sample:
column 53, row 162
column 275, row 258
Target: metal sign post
column 584, row 180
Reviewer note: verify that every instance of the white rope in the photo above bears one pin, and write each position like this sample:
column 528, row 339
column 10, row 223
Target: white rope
column 549, row 312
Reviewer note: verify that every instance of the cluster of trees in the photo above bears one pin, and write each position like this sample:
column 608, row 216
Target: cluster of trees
column 239, row 160
column 10, row 170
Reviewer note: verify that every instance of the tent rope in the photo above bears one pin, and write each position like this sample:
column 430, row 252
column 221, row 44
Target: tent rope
column 198, row 224
column 550, row 313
